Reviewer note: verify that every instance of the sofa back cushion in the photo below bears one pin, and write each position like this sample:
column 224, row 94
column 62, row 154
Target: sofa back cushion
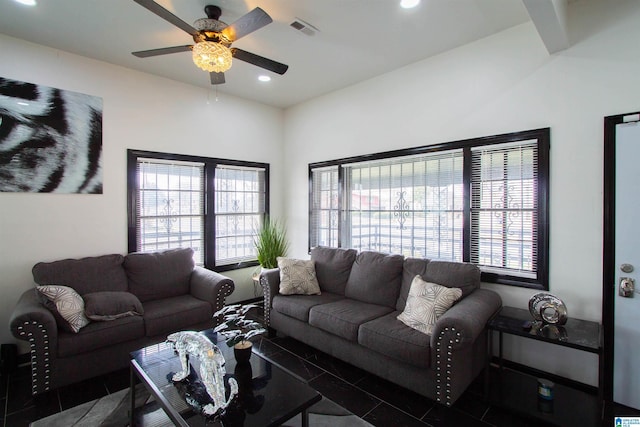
column 84, row 275
column 156, row 275
column 375, row 278
column 412, row 267
column 333, row 266
column 463, row 275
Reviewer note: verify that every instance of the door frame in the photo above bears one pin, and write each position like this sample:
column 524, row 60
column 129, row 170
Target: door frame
column 608, row 255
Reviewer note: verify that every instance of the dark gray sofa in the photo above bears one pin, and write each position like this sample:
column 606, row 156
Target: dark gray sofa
column 175, row 295
column 355, row 319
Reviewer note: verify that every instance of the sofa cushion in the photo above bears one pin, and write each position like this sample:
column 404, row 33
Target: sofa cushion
column 450, row 274
column 175, row 313
column 333, row 266
column 411, row 268
column 91, row 274
column 463, row 275
column 297, row 277
column 66, row 305
column 344, row 317
column 389, row 336
column 375, row 278
column 298, row 306
column 100, row 334
column 426, row 303
column 106, row 306
column 157, row 275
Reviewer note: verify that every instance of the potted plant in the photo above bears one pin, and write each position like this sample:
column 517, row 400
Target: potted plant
column 271, row 243
column 237, row 329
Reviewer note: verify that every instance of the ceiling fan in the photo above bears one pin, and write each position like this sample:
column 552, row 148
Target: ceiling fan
column 212, row 50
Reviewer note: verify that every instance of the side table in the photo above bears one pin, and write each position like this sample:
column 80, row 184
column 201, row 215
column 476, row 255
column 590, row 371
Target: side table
column 517, row 391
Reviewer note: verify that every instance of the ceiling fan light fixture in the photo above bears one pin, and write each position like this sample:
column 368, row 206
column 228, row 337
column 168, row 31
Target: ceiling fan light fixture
column 212, row 57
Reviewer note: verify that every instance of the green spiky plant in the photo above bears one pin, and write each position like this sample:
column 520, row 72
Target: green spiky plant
column 271, row 242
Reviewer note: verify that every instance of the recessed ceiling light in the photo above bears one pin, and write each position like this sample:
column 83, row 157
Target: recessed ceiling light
column 264, row 78
column 408, row 4
column 27, row 2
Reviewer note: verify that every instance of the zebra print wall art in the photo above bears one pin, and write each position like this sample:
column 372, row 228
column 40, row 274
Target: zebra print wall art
column 50, row 139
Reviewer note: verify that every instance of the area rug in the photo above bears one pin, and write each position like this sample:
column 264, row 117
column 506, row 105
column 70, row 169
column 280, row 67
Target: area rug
column 112, row 411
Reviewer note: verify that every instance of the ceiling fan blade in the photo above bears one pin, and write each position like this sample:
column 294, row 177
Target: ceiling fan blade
column 248, row 23
column 259, row 61
column 166, row 15
column 217, row 78
column 162, row 51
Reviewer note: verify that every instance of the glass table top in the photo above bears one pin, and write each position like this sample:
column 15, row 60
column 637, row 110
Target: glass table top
column 576, row 333
column 267, row 395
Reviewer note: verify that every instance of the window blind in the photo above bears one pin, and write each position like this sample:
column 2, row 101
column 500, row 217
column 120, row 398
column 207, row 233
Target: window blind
column 240, row 205
column 411, row 205
column 170, row 206
column 504, row 211
column 324, row 215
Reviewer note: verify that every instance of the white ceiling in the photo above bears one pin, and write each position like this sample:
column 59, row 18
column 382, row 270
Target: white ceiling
column 358, row 39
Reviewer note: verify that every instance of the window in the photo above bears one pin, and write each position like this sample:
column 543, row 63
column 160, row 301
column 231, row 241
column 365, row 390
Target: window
column 324, row 215
column 482, row 200
column 210, row 205
column 239, row 208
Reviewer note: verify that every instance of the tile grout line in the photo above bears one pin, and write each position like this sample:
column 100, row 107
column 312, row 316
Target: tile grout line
column 371, row 410
column 380, row 400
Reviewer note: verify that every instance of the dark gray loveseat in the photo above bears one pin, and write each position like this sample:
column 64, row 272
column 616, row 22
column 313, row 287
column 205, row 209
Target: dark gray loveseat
column 355, row 319
column 174, row 294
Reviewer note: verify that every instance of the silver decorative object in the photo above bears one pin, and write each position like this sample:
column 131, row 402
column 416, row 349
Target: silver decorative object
column 195, row 344
column 547, row 308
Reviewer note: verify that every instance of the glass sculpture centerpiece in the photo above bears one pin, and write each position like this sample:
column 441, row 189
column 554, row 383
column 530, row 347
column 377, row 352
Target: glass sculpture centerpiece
column 212, row 368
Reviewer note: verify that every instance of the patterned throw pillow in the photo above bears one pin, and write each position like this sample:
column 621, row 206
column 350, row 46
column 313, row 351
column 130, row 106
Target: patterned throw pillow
column 298, row 277
column 68, row 303
column 426, row 303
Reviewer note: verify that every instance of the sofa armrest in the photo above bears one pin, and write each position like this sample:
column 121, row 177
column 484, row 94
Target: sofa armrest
column 33, row 322
column 210, row 286
column 453, row 339
column 270, row 282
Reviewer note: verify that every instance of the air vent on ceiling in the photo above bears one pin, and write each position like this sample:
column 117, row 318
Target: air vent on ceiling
column 304, row 27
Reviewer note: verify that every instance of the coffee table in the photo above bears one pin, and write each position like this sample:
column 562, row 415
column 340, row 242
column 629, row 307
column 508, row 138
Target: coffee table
column 267, row 394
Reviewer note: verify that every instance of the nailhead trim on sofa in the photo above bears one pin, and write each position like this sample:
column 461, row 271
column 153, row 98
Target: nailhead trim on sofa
column 447, row 368
column 28, row 329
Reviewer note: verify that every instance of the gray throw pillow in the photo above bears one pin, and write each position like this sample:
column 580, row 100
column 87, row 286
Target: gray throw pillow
column 68, row 304
column 426, row 303
column 105, row 306
column 297, row 277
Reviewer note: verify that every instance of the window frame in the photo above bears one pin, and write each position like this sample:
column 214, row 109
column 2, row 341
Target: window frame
column 542, row 135
column 210, row 165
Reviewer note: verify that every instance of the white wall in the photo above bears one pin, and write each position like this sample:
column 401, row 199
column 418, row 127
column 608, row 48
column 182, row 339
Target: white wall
column 504, row 83
column 142, row 112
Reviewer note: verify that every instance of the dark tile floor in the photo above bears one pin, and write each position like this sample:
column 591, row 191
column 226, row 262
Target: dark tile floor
column 377, row 401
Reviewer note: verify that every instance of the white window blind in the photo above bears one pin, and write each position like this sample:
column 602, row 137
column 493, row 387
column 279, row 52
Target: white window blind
column 240, row 204
column 411, row 205
column 504, row 211
column 170, row 206
column 324, row 218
